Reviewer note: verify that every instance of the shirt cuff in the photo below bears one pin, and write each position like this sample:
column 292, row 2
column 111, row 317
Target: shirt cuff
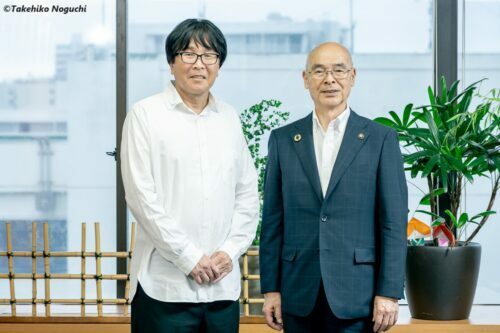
column 188, row 259
column 232, row 250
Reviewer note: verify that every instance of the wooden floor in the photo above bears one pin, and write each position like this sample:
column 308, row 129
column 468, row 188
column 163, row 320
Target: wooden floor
column 483, row 319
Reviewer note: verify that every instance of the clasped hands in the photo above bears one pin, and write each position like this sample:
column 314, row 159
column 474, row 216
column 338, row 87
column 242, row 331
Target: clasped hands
column 212, row 269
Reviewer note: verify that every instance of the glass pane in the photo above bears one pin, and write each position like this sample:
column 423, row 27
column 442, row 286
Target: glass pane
column 479, row 58
column 57, row 120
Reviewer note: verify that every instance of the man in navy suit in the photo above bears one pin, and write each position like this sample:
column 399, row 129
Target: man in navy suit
column 333, row 241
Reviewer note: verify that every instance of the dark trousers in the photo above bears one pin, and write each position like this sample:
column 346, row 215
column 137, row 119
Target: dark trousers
column 153, row 316
column 322, row 320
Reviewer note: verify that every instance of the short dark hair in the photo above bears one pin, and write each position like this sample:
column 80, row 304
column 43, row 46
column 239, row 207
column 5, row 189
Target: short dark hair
column 202, row 32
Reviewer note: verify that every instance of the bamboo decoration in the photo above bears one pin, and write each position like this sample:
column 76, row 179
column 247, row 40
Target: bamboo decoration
column 33, row 269
column 84, row 245
column 98, row 268
column 10, row 264
column 127, row 284
column 46, row 264
column 246, row 299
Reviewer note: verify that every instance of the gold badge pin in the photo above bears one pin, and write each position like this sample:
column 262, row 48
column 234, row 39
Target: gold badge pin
column 361, row 136
column 297, row 137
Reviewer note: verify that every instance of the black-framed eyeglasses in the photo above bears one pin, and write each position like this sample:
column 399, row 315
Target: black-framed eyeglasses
column 191, row 57
column 339, row 73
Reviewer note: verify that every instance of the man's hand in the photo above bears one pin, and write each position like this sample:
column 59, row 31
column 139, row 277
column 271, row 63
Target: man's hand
column 223, row 263
column 385, row 313
column 272, row 310
column 205, row 271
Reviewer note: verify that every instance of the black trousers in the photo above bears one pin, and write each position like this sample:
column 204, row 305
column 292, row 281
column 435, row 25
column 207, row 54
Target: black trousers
column 322, row 320
column 153, row 316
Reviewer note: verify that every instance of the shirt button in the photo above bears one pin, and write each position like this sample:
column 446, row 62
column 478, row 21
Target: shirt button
column 324, row 218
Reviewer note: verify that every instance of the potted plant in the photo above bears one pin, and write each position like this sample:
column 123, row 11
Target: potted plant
column 257, row 121
column 450, row 144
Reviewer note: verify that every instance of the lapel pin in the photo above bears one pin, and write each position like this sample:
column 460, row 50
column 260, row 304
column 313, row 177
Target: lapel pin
column 361, row 135
column 297, row 137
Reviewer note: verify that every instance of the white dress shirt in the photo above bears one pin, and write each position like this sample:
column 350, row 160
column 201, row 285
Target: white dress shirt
column 327, row 145
column 191, row 185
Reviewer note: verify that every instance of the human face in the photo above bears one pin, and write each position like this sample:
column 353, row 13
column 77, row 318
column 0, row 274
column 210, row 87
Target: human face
column 193, row 80
column 329, row 93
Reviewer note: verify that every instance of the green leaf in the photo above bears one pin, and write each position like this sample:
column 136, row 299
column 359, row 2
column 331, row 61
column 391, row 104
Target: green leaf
column 455, row 117
column 406, row 114
column 432, row 98
column 396, row 118
column 430, row 165
column 386, row 122
column 418, row 116
column 426, row 200
column 464, row 217
column 452, row 217
column 432, row 127
column 454, row 162
column 428, row 213
column 485, row 213
column 437, row 222
column 414, row 170
column 453, row 89
column 410, row 158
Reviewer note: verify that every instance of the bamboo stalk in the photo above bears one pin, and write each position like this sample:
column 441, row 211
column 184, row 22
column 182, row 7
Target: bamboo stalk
column 246, row 306
column 46, row 267
column 84, row 242
column 255, row 301
column 98, row 267
column 33, row 268
column 10, row 264
column 127, row 284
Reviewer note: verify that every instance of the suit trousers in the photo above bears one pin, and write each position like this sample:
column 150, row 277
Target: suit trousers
column 323, row 320
column 153, row 316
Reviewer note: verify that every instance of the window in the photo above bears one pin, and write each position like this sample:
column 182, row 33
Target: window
column 479, row 58
column 57, row 120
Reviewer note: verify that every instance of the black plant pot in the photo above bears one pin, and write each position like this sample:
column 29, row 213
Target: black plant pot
column 441, row 281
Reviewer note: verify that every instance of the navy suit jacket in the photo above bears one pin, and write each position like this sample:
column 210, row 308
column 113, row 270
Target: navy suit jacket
column 353, row 239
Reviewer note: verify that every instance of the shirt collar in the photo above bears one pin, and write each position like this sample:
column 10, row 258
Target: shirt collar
column 339, row 123
column 175, row 100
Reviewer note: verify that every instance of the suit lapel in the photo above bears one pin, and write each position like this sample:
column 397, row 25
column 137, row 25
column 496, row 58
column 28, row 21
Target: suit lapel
column 354, row 137
column 303, row 143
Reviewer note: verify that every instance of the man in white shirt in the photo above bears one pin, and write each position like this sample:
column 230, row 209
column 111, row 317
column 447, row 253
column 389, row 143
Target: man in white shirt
column 191, row 185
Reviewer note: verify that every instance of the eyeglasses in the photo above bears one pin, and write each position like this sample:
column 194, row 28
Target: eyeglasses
column 339, row 73
column 191, row 57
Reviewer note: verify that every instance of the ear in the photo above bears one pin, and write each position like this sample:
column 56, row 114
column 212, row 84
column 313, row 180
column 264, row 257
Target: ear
column 306, row 80
column 171, row 65
column 353, row 77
